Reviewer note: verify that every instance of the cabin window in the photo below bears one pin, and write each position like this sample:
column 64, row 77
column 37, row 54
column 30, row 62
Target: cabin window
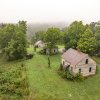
column 68, row 66
column 80, row 70
column 54, row 50
column 90, row 69
column 86, row 61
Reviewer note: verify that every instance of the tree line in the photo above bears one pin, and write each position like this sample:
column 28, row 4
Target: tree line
column 76, row 35
column 13, row 40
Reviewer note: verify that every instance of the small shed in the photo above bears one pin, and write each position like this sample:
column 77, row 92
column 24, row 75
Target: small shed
column 40, row 44
column 54, row 50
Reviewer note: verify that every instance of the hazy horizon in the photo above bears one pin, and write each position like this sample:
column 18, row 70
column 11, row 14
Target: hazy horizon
column 49, row 11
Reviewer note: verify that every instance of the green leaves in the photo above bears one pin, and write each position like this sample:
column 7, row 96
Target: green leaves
column 97, row 37
column 52, row 36
column 80, row 36
column 73, row 33
column 13, row 40
column 87, row 42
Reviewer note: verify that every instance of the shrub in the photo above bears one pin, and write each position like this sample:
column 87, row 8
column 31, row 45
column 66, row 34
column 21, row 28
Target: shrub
column 70, row 75
column 42, row 52
column 79, row 77
column 13, row 82
column 29, row 56
column 67, row 74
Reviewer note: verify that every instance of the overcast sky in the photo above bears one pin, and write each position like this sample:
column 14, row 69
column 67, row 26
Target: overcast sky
column 43, row 11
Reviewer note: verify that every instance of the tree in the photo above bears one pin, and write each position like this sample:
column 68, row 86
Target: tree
column 49, row 63
column 73, row 34
column 13, row 41
column 38, row 36
column 22, row 26
column 6, row 33
column 97, row 36
column 92, row 26
column 16, row 48
column 87, row 42
column 52, row 37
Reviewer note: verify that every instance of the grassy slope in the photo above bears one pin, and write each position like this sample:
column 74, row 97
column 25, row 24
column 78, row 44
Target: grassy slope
column 45, row 83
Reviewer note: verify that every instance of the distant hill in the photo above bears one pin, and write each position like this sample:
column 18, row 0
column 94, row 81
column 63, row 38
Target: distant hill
column 33, row 28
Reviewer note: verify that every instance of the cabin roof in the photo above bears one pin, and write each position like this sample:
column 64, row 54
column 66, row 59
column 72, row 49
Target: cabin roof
column 39, row 42
column 73, row 56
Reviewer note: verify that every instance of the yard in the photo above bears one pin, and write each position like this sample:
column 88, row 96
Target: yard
column 45, row 83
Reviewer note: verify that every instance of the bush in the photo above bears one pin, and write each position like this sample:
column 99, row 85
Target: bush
column 67, row 74
column 42, row 52
column 29, row 56
column 70, row 75
column 79, row 77
column 13, row 82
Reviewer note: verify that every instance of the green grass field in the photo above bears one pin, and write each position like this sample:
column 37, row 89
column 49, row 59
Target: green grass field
column 46, row 84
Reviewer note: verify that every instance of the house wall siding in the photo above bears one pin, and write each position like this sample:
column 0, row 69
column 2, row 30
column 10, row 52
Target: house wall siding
column 83, row 66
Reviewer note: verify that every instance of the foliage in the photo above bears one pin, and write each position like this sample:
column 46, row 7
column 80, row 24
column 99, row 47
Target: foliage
column 83, row 37
column 22, row 26
column 95, row 26
column 92, row 26
column 6, row 34
column 79, row 77
column 29, row 56
column 13, row 40
column 87, row 42
column 70, row 75
column 51, row 37
column 41, row 52
column 97, row 36
column 49, row 63
column 67, row 74
column 38, row 36
column 73, row 34
column 13, row 82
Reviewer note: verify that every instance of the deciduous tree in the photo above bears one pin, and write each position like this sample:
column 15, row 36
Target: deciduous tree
column 87, row 42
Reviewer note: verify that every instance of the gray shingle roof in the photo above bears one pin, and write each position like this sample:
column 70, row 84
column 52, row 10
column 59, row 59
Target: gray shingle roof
column 73, row 56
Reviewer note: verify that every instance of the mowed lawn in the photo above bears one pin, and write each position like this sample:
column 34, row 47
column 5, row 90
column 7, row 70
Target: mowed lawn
column 46, row 84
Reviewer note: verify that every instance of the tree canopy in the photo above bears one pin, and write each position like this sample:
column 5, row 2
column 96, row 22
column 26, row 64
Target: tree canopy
column 87, row 42
column 52, row 36
column 97, row 37
column 13, row 40
column 73, row 34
